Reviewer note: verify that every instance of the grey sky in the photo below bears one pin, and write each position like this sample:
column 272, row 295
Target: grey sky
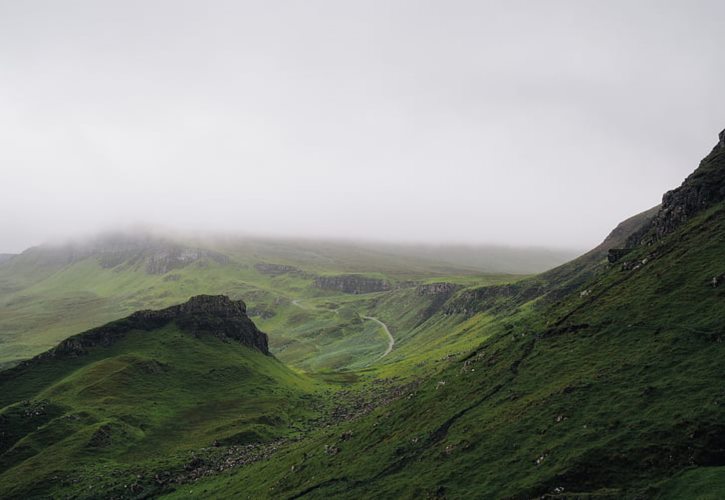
column 540, row 123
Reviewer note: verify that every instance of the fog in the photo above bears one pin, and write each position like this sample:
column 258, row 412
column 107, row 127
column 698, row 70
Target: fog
column 507, row 122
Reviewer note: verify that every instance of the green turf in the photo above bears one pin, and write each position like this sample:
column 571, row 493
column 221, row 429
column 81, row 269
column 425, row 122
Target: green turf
column 150, row 395
column 592, row 380
column 609, row 394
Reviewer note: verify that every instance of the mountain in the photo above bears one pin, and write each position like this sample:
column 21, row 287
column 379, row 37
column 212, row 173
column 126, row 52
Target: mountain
column 155, row 383
column 613, row 390
column 52, row 291
column 601, row 378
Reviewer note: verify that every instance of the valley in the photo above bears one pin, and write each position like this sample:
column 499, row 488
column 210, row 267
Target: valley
column 137, row 367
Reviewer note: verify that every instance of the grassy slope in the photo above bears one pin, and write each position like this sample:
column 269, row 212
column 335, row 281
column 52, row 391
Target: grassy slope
column 44, row 299
column 152, row 395
column 617, row 393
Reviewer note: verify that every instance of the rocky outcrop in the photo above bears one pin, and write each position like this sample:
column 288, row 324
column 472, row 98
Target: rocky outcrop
column 555, row 284
column 276, row 269
column 704, row 188
column 163, row 260
column 436, row 289
column 215, row 315
column 615, row 254
column 351, row 283
column 495, row 298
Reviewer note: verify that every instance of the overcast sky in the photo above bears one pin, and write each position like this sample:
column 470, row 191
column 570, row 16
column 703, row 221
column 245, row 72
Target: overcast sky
column 524, row 123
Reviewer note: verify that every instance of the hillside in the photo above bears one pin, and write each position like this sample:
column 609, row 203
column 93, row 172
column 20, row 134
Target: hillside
column 153, row 385
column 614, row 391
column 50, row 292
column 601, row 378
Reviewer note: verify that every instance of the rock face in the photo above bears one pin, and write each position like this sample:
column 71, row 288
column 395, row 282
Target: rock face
column 617, row 253
column 493, row 298
column 276, row 269
column 436, row 289
column 163, row 260
column 351, row 283
column 704, row 188
column 215, row 315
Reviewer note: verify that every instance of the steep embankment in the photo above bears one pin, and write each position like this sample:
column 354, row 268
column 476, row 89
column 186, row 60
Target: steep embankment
column 143, row 388
column 615, row 390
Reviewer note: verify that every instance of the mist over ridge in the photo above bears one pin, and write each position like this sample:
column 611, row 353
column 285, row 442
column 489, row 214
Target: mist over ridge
column 518, row 124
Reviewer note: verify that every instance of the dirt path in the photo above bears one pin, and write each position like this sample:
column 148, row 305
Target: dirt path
column 391, row 340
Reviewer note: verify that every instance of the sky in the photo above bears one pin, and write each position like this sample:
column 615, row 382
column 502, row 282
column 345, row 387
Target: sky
column 507, row 122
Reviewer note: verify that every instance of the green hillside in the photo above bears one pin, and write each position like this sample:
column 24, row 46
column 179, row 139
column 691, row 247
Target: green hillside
column 135, row 391
column 48, row 293
column 601, row 378
column 618, row 393
column 605, row 379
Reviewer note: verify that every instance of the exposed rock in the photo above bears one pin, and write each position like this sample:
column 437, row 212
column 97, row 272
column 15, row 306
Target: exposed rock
column 102, row 437
column 215, row 315
column 436, row 289
column 633, row 265
column 276, row 269
column 161, row 261
column 261, row 312
column 553, row 285
column 331, row 450
column 351, row 283
column 615, row 254
column 704, row 188
column 493, row 298
column 717, row 280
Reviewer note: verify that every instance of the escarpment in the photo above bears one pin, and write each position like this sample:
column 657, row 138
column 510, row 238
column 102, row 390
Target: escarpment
column 702, row 189
column 351, row 283
column 215, row 315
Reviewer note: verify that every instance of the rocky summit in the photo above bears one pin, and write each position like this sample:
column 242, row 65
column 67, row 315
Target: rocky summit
column 215, row 315
column 704, row 188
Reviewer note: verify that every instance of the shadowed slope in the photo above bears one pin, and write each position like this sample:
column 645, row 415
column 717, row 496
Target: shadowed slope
column 155, row 383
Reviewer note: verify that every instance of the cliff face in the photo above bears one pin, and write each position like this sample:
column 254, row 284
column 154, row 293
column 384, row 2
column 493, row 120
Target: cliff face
column 494, row 298
column 351, row 283
column 215, row 315
column 277, row 269
column 441, row 288
column 704, row 188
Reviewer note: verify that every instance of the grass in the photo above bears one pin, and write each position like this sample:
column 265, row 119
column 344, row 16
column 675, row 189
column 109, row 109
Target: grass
column 151, row 394
column 606, row 384
column 45, row 298
column 609, row 394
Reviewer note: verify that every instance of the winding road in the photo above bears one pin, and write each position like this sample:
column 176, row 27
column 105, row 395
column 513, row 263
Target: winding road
column 391, row 339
